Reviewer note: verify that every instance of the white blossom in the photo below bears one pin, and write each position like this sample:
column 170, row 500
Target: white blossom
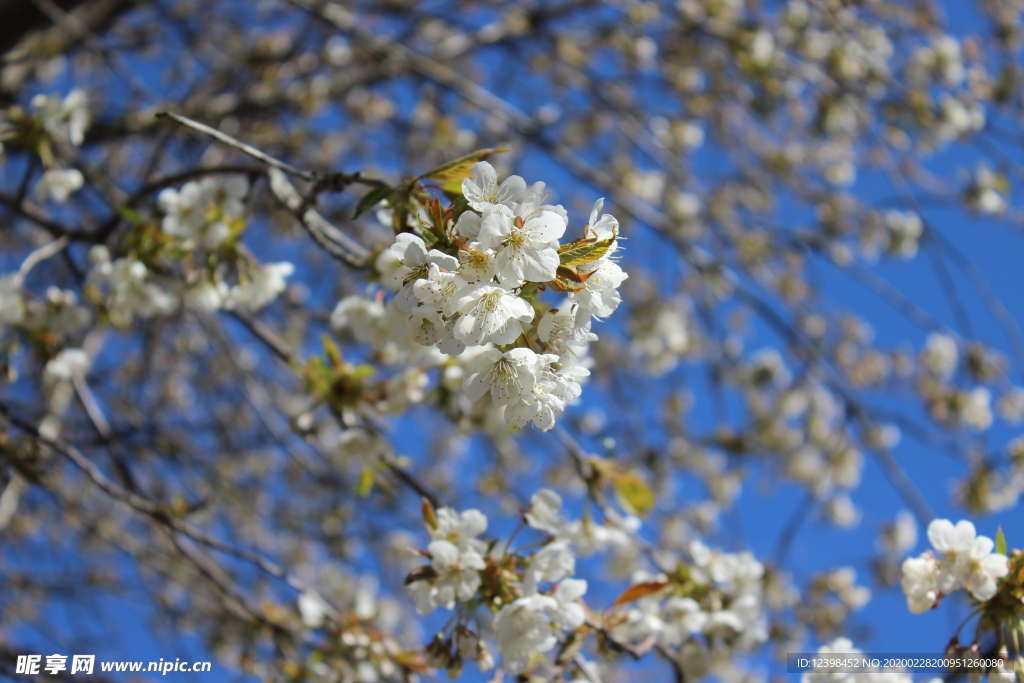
column 553, row 562
column 508, row 376
column 603, row 226
column 525, row 247
column 458, row 573
column 65, row 119
column 313, row 609
column 460, row 529
column 920, row 582
column 460, row 305
column 565, row 332
column 483, row 191
column 402, row 259
column 203, row 213
column 456, row 556
column 682, row 618
column 552, row 391
column 58, row 184
column 522, row 628
column 600, row 295
column 983, row 568
column 207, row 295
column 12, row 302
column 476, row 265
column 963, row 560
column 468, row 225
column 434, row 292
column 361, row 317
column 940, row 354
column 488, row 314
column 527, row 626
column 259, row 285
column 67, row 365
column 544, row 513
column 904, row 231
column 568, row 612
column 130, row 289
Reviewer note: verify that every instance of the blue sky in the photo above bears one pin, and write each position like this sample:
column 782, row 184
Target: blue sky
column 884, row 625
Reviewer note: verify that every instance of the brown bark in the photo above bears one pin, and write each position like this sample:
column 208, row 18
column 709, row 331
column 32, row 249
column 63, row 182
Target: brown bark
column 27, row 26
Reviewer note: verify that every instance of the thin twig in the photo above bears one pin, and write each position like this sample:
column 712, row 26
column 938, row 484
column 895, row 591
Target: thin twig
column 247, row 149
column 44, row 252
column 327, row 236
column 146, row 507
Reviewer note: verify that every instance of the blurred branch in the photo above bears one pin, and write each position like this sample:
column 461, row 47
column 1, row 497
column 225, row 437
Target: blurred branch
column 143, row 506
column 331, row 239
column 234, row 143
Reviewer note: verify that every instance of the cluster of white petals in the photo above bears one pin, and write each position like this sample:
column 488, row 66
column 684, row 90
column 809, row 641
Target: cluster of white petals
column 128, row 287
column 962, row 559
column 66, row 365
column 204, row 212
column 12, row 304
column 533, row 623
column 987, row 194
column 65, row 120
column 587, row 536
column 58, row 184
column 726, row 606
column 201, row 217
column 478, row 300
column 537, row 601
column 456, row 557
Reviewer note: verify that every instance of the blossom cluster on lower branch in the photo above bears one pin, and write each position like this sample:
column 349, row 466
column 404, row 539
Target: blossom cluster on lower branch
column 706, row 608
column 992, row 577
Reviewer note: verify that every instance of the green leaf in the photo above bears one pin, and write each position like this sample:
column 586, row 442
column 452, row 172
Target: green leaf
column 318, row 377
column 362, row 371
column 633, row 493
column 430, row 237
column 332, row 351
column 365, row 484
column 371, row 198
column 1000, row 541
column 451, row 174
column 130, row 215
column 582, row 252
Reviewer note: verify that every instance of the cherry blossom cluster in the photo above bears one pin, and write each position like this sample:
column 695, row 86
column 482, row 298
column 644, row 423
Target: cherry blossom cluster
column 51, row 122
column 991, row 575
column 367, row 625
column 65, row 120
column 961, row 559
column 967, row 407
column 476, row 295
column 51, row 322
column 200, row 225
column 707, row 608
column 526, row 603
column 710, row 609
column 532, row 600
